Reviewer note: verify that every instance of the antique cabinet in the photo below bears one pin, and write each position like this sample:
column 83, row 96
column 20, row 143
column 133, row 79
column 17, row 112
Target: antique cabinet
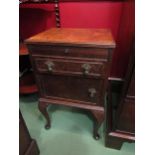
column 71, row 67
column 27, row 145
column 120, row 115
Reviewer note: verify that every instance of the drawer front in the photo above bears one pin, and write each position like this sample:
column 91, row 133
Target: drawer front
column 70, row 67
column 86, row 52
column 68, row 87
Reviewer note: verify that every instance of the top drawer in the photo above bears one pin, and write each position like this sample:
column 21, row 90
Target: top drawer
column 85, row 52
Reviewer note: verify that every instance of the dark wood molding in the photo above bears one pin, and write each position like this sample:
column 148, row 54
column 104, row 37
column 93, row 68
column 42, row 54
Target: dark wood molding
column 120, row 116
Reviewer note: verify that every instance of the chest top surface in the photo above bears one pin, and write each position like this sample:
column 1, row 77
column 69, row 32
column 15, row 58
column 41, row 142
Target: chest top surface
column 74, row 37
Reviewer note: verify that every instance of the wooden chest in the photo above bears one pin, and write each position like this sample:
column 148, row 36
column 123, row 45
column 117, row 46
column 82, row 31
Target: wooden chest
column 71, row 67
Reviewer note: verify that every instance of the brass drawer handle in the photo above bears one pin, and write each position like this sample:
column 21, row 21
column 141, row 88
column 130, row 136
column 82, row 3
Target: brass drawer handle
column 66, row 50
column 92, row 92
column 86, row 69
column 50, row 65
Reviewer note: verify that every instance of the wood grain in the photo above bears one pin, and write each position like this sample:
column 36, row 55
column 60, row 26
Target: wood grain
column 74, row 37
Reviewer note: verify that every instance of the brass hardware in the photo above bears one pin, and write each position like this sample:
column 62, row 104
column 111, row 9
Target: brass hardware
column 66, row 50
column 92, row 92
column 86, row 68
column 50, row 65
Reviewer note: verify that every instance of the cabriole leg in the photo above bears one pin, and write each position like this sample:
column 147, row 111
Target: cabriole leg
column 99, row 118
column 43, row 109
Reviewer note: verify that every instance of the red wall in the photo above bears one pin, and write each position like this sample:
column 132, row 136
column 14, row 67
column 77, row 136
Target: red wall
column 125, row 39
column 81, row 15
column 91, row 15
column 38, row 17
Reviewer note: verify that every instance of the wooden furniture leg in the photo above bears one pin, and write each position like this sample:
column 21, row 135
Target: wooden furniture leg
column 113, row 142
column 27, row 145
column 43, row 109
column 99, row 118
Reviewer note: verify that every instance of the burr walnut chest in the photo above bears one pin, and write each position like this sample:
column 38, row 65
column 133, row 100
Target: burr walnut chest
column 71, row 67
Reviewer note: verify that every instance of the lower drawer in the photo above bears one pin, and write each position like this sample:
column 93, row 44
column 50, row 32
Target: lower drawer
column 75, row 88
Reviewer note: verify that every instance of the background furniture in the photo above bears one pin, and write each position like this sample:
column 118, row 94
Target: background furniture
column 26, row 81
column 121, row 105
column 71, row 68
column 27, row 145
column 120, row 115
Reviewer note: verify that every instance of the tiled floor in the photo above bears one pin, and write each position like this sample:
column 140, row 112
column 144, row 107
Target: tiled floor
column 70, row 134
